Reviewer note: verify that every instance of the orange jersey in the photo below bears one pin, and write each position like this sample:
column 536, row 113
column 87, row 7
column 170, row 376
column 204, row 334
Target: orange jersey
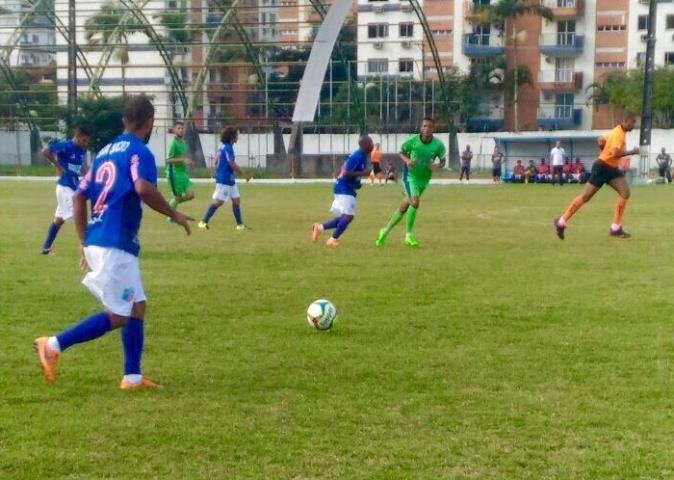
column 615, row 139
column 375, row 156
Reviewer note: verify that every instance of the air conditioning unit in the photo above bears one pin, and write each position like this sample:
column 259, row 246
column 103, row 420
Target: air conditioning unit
column 378, row 8
column 406, row 44
column 549, row 60
column 547, row 97
column 378, row 45
column 644, row 37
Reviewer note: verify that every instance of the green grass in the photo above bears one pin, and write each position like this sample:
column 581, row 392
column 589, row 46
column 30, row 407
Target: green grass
column 493, row 352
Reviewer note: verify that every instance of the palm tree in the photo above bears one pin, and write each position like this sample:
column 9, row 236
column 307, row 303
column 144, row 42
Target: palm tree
column 504, row 14
column 111, row 26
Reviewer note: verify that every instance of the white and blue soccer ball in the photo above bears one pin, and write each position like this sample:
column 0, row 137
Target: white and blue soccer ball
column 321, row 314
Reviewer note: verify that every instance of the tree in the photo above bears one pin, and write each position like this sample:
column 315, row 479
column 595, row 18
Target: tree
column 103, row 115
column 504, row 15
column 110, row 26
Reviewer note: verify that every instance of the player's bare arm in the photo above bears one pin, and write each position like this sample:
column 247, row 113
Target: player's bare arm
column 149, row 194
column 408, row 161
column 238, row 170
column 51, row 158
column 618, row 153
column 439, row 165
column 357, row 173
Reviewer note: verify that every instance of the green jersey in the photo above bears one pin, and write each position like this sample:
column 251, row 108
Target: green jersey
column 422, row 155
column 177, row 149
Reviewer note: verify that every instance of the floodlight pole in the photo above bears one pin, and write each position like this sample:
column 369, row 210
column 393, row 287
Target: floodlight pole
column 647, row 108
column 72, row 58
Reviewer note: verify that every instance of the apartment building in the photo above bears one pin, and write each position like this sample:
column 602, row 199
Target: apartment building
column 33, row 43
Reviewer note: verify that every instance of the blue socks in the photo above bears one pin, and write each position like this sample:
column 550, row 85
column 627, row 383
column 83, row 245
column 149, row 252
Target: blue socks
column 210, row 212
column 329, row 225
column 341, row 226
column 88, row 329
column 133, row 335
column 51, row 236
column 236, row 210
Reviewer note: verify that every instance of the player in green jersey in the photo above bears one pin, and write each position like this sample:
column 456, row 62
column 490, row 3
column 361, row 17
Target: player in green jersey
column 176, row 167
column 418, row 153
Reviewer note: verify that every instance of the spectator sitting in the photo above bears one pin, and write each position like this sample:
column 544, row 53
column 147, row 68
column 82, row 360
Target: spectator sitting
column 530, row 171
column 578, row 173
column 567, row 169
column 390, row 174
column 518, row 172
column 543, row 172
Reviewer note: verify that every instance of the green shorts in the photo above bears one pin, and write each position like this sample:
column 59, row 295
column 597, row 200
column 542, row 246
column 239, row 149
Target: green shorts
column 413, row 187
column 179, row 183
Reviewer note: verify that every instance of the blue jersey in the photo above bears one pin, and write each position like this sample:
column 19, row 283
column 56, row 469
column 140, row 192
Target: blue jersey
column 348, row 185
column 223, row 172
column 70, row 158
column 116, row 209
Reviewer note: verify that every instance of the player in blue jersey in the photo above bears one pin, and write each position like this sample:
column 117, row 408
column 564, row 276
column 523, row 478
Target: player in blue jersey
column 68, row 159
column 122, row 179
column 225, row 180
column 344, row 203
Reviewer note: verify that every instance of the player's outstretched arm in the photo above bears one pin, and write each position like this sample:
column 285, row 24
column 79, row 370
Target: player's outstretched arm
column 149, row 194
column 357, row 173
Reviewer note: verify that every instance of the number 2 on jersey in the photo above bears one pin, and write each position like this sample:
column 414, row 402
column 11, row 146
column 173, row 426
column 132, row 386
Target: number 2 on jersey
column 105, row 175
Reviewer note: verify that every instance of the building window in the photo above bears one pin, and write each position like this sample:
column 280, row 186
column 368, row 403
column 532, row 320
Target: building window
column 610, row 28
column 642, row 22
column 377, row 30
column 669, row 58
column 405, row 65
column 670, row 22
column 406, row 30
column 379, row 65
column 601, row 65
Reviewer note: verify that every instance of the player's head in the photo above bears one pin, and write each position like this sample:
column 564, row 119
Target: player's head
column 138, row 117
column 628, row 121
column 577, row 159
column 468, row 148
column 378, row 146
column 558, row 144
column 662, row 150
column 81, row 136
column 179, row 129
column 366, row 144
column 229, row 135
column 519, row 162
column 427, row 127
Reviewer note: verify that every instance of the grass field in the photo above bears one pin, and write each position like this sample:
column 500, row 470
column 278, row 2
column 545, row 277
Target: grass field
column 493, row 352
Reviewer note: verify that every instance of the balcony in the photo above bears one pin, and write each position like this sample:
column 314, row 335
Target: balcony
column 558, row 116
column 471, row 9
column 561, row 44
column 560, row 80
column 565, row 9
column 482, row 45
column 486, row 120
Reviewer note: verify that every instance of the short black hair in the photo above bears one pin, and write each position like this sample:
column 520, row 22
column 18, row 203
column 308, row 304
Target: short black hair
column 228, row 134
column 428, row 119
column 82, row 130
column 138, row 110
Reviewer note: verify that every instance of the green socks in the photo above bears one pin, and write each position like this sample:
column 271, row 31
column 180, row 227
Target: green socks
column 411, row 217
column 395, row 219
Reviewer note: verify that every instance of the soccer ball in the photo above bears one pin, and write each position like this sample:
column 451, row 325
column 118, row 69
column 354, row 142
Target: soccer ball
column 321, row 314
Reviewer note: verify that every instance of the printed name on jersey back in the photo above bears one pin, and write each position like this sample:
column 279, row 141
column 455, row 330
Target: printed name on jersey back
column 116, row 147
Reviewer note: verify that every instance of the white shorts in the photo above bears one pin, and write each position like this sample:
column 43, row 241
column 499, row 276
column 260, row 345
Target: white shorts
column 343, row 205
column 114, row 278
column 225, row 193
column 64, row 202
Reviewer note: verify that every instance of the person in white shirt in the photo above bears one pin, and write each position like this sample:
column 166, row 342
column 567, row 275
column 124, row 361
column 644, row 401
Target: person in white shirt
column 557, row 155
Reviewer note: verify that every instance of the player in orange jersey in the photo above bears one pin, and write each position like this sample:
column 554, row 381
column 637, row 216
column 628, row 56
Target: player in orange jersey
column 609, row 168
